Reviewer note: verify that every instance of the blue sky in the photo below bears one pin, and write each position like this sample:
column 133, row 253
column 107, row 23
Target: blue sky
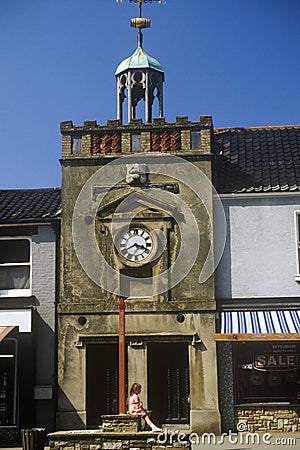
column 237, row 60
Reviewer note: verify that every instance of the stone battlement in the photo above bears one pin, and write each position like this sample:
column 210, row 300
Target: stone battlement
column 113, row 139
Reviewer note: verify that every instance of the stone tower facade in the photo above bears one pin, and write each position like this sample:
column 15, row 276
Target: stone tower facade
column 126, row 185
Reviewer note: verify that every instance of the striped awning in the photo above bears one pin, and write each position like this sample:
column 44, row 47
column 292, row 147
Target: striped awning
column 280, row 324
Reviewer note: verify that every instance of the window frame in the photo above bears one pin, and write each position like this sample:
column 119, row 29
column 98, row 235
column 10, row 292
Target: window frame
column 76, row 147
column 18, row 292
column 297, row 239
column 193, row 139
column 136, row 143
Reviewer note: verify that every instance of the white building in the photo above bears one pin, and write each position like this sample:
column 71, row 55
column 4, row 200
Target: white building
column 29, row 227
column 257, row 282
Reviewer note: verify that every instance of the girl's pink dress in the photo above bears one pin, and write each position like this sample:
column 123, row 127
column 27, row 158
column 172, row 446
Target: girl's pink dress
column 134, row 406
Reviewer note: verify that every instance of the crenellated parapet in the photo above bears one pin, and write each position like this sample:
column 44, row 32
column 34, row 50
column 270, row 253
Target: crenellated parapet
column 93, row 141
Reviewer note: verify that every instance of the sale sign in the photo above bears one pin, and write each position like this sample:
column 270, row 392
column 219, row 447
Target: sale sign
column 276, row 361
column 277, row 357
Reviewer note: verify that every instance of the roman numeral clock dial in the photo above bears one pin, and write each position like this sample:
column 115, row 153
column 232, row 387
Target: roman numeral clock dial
column 136, row 245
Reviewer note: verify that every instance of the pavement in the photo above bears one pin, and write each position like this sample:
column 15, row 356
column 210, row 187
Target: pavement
column 233, row 441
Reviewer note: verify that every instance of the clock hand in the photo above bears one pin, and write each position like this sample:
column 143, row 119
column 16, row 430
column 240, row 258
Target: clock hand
column 141, row 246
column 138, row 248
column 135, row 244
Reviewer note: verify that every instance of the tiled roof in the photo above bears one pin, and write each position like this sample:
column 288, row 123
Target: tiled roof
column 29, row 205
column 262, row 159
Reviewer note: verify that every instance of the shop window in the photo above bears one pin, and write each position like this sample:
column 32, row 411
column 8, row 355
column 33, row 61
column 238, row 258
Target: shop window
column 8, row 370
column 267, row 372
column 15, row 267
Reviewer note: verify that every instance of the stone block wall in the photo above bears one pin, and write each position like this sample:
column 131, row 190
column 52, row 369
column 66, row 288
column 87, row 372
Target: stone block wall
column 121, row 423
column 97, row 440
column 117, row 432
column 268, row 418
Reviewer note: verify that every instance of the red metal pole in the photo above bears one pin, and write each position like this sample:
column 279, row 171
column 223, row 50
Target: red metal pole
column 122, row 406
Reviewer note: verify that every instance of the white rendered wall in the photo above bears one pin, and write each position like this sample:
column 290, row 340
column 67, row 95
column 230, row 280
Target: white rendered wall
column 260, row 256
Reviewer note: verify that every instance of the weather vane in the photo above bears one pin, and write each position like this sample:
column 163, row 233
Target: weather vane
column 141, row 22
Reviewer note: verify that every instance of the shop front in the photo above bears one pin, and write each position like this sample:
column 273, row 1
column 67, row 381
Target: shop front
column 16, row 374
column 259, row 353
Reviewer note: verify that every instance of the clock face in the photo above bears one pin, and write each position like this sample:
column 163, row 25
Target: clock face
column 136, row 245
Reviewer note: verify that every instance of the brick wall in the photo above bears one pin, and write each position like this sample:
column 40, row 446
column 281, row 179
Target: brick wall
column 44, row 291
column 157, row 136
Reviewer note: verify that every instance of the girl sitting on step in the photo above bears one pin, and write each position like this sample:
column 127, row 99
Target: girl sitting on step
column 135, row 406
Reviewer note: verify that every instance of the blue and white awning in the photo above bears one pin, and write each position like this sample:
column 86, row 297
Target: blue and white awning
column 261, row 323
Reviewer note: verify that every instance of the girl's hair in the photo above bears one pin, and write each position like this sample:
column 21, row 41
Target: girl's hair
column 134, row 387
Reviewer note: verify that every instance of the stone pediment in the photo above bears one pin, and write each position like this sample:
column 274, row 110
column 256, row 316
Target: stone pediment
column 142, row 204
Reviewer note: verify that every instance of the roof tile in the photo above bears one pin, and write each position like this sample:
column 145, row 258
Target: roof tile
column 257, row 159
column 24, row 205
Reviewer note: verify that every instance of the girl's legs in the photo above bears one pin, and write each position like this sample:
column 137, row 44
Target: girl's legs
column 148, row 421
column 151, row 424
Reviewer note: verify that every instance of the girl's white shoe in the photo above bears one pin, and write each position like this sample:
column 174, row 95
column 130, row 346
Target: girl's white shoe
column 155, row 428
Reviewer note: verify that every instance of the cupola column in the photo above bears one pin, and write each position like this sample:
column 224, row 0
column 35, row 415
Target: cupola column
column 120, row 101
column 148, row 105
column 129, row 98
column 160, row 100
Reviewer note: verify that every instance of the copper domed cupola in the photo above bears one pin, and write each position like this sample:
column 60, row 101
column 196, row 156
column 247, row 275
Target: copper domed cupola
column 139, row 77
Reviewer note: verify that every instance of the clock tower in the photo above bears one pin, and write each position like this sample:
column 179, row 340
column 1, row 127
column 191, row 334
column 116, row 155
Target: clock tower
column 137, row 223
